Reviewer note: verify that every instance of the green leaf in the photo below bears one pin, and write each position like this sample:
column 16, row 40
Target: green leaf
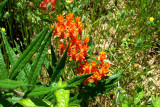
column 17, row 48
column 45, row 90
column 35, row 102
column 90, row 50
column 62, row 96
column 3, row 70
column 54, row 59
column 75, row 99
column 2, row 5
column 74, row 105
column 27, row 54
column 78, row 79
column 23, row 75
column 58, row 70
column 113, row 78
column 156, row 102
column 11, row 84
column 13, row 59
column 91, row 45
column 37, row 64
column 42, row 91
column 138, row 97
column 11, row 54
column 48, row 67
column 91, row 58
column 91, row 90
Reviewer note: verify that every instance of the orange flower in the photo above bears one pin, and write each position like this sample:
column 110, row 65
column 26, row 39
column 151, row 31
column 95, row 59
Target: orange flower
column 87, row 68
column 80, row 25
column 96, row 77
column 106, row 65
column 85, row 49
column 69, row 17
column 80, row 69
column 102, row 56
column 61, row 47
column 77, row 19
column 86, row 40
column 70, row 30
column 73, row 54
column 80, row 57
column 60, row 19
column 55, row 28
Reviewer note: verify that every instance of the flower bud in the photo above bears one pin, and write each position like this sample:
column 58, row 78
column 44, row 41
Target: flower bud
column 53, row 2
column 44, row 7
column 31, row 4
column 53, row 8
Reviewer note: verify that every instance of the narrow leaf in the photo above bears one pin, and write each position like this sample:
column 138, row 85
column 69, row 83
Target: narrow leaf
column 37, row 64
column 11, row 54
column 75, row 99
column 78, row 79
column 48, row 67
column 90, row 59
column 23, row 75
column 28, row 53
column 54, row 59
column 2, row 5
column 58, row 70
column 11, row 84
column 3, row 70
column 41, row 91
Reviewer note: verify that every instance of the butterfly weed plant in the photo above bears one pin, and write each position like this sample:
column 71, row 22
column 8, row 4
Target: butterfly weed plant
column 20, row 84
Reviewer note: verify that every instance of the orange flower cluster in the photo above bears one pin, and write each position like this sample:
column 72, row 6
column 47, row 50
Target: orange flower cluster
column 71, row 31
column 99, row 70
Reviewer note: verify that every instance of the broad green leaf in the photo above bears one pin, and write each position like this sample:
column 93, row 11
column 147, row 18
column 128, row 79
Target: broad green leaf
column 156, row 103
column 37, row 64
column 51, row 95
column 138, row 97
column 2, row 5
column 58, row 70
column 35, row 102
column 78, row 79
column 3, row 70
column 27, row 54
column 62, row 96
column 11, row 84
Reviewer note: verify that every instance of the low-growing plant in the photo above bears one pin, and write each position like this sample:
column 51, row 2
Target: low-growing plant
column 20, row 84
